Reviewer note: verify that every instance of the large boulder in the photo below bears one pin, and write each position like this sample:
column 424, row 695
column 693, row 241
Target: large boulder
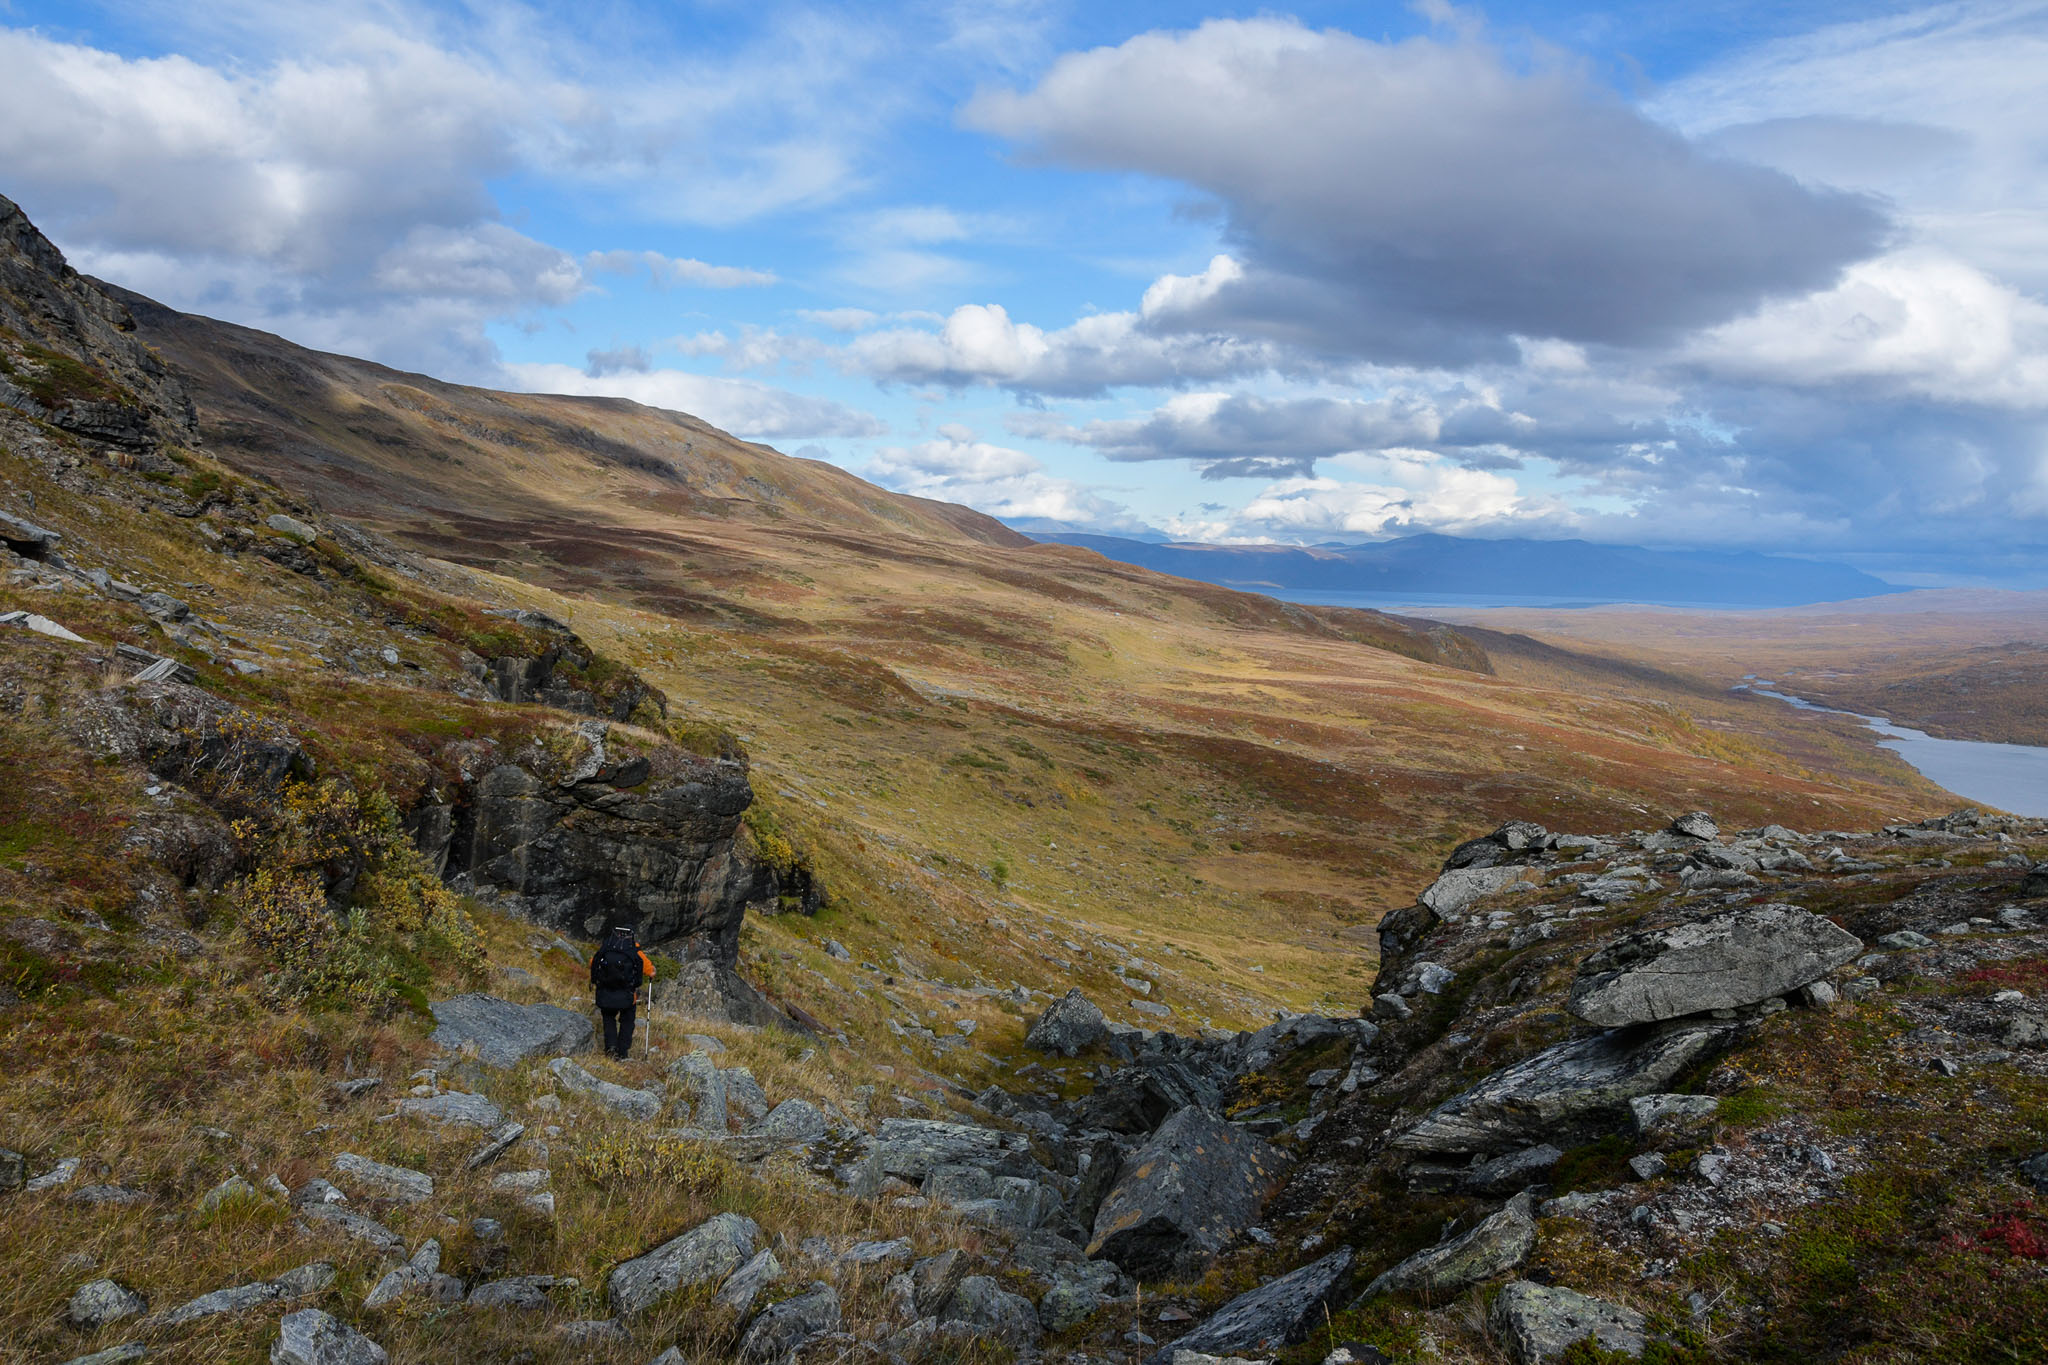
column 706, row 1254
column 1273, row 1316
column 1068, row 1025
column 1493, row 1246
column 1458, row 890
column 1193, row 1186
column 1740, row 957
column 99, row 1302
column 983, row 1308
column 911, row 1149
column 576, row 840
column 311, row 1337
column 1566, row 1093
column 705, row 989
column 1538, row 1323
column 504, row 1034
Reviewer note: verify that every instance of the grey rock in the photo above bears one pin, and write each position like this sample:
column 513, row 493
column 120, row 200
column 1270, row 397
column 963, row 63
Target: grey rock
column 1068, row 1025
column 1538, row 1323
column 1514, row 1171
column 1647, row 1165
column 60, row 1174
column 1574, row 1089
column 989, row 1311
column 744, row 1095
column 1740, row 957
column 232, row 1189
column 527, row 1293
column 634, row 1104
column 1905, row 940
column 316, row 1191
column 837, row 951
column 794, row 1121
column 1696, row 824
column 239, row 1299
column 108, row 1194
column 1388, row 1005
column 2035, row 1169
column 496, row 1145
column 123, row 1354
column 708, row 989
column 1079, row 1290
column 355, row 1225
column 311, row 1337
column 1672, row 1118
column 706, row 1254
column 1275, row 1315
column 302, row 1281
column 701, row 1079
column 453, row 1107
column 1458, row 890
column 13, row 1170
column 744, row 1285
column 96, row 1303
column 165, row 607
column 1493, row 1246
column 357, row 1088
column 1195, row 1184
column 910, row 1149
column 399, row 1183
column 293, row 527
column 783, row 1327
column 934, row 1280
column 415, row 1276
column 672, row 1356
column 27, row 539
column 504, row 1034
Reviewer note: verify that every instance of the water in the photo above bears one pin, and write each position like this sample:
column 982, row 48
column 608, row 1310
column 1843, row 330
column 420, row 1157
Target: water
column 1421, row 603
column 2010, row 777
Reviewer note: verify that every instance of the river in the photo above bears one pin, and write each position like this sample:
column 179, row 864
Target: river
column 2010, row 777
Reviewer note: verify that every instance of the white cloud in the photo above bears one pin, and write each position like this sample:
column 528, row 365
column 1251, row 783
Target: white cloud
column 1403, row 492
column 747, row 409
column 840, row 319
column 993, row 479
column 678, row 270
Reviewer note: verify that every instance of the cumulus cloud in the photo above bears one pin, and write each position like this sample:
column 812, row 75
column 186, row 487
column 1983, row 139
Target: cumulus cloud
column 994, row 479
column 669, row 271
column 744, row 407
column 982, row 343
column 1400, row 492
column 1427, row 200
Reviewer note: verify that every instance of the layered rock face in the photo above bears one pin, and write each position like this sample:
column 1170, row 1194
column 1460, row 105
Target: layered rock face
column 606, row 836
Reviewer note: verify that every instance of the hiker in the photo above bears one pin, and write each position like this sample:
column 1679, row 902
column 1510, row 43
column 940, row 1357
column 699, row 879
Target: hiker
column 616, row 970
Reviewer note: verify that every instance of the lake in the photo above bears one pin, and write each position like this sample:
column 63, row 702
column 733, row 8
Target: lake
column 2011, row 777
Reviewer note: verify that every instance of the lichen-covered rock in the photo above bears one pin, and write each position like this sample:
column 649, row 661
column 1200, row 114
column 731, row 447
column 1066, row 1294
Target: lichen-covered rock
column 98, row 1302
column 1572, row 1090
column 1194, row 1185
column 311, row 1337
column 504, row 1034
column 1068, row 1025
column 1493, row 1246
column 1538, row 1323
column 744, row 1285
column 453, row 1106
column 1458, row 890
column 1740, row 957
column 399, row 1183
column 1275, row 1315
column 987, row 1310
column 706, row 1254
column 783, row 1327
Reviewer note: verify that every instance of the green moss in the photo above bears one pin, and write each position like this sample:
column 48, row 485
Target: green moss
column 1596, row 1166
column 1748, row 1108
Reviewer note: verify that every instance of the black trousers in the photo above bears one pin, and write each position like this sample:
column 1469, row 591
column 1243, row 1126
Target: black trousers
column 618, row 1031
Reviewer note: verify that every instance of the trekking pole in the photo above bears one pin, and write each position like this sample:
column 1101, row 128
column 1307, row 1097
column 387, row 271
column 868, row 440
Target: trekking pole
column 647, row 1048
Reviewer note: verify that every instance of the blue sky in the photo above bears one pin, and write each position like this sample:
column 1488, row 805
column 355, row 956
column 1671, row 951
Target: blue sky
column 1744, row 275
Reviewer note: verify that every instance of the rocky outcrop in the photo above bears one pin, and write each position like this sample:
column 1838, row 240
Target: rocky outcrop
column 1493, row 1246
column 311, row 1337
column 1725, row 961
column 1195, row 1184
column 70, row 357
column 785, row 1326
column 706, row 1254
column 1538, row 1323
column 706, row 989
column 562, row 671
column 1273, row 1316
column 1567, row 1092
column 1457, row 891
column 502, row 1034
column 598, row 830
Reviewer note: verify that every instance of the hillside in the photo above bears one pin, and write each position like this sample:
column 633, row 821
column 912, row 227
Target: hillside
column 333, row 699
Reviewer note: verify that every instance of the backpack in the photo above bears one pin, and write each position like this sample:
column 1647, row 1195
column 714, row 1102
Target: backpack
column 616, row 967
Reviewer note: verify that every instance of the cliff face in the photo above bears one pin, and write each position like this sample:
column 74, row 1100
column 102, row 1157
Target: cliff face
column 68, row 353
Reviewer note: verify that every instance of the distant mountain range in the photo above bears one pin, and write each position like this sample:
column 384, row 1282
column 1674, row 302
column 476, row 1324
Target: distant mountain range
column 1500, row 569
